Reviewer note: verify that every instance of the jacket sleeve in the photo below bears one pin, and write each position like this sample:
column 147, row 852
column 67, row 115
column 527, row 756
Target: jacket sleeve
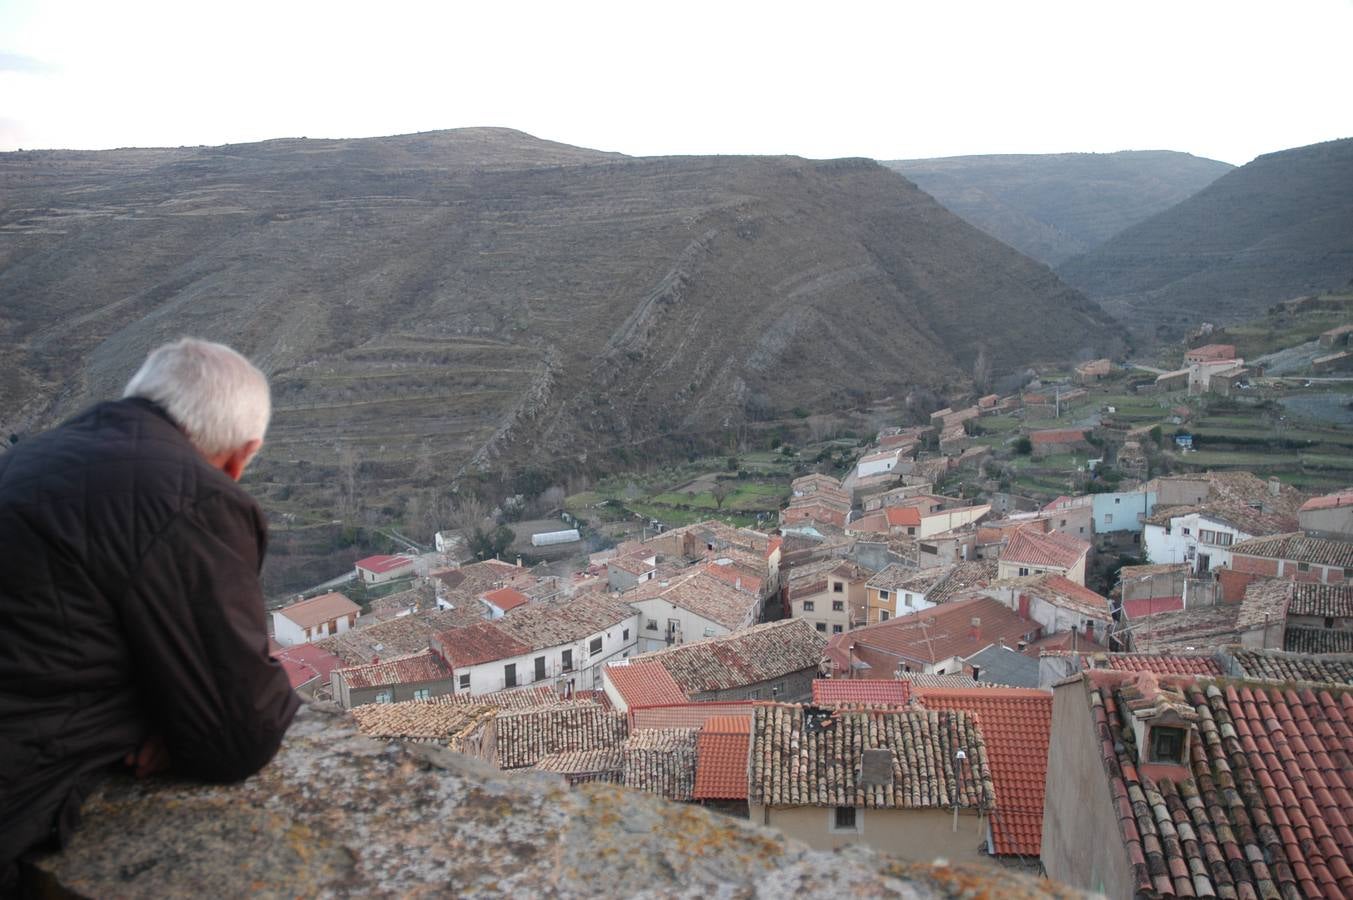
column 194, row 620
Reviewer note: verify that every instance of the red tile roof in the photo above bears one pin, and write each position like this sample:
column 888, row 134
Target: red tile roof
column 1017, row 725
column 381, row 564
column 413, row 669
column 761, row 653
column 1329, row 501
column 307, row 657
column 1039, row 549
column 507, row 598
column 934, row 635
column 721, row 758
column 902, row 515
column 1164, row 663
column 479, row 643
column 1064, row 593
column 1147, row 606
column 1267, row 807
column 644, row 684
column 872, row 691
column 687, row 715
column 318, row 610
column 1298, row 548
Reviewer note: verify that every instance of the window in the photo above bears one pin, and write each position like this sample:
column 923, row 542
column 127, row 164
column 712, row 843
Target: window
column 709, row 632
column 1303, row 567
column 911, row 529
column 838, row 587
column 422, row 694
column 625, row 635
column 652, row 625
column 510, row 675
column 1117, row 500
column 1329, row 621
column 821, row 626
column 568, row 659
column 1207, row 536
column 1108, row 518
column 540, row 668
column 1024, row 570
column 838, row 606
column 465, row 681
column 1224, row 539
column 1348, row 573
column 907, row 598
column 837, row 629
column 1184, row 531
column 883, row 615
column 1063, row 525
column 808, row 606
column 1167, row 745
column 844, row 819
column 883, row 595
column 594, row 646
column 384, row 696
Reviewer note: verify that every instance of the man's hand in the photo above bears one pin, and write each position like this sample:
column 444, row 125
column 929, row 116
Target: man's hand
column 153, row 757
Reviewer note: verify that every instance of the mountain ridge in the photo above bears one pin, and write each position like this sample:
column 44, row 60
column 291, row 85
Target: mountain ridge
column 1052, row 206
column 474, row 302
column 1276, row 228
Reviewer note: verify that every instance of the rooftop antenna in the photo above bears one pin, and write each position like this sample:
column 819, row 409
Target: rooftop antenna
column 959, row 758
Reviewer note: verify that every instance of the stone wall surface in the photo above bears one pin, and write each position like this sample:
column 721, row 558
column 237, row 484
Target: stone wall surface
column 338, row 814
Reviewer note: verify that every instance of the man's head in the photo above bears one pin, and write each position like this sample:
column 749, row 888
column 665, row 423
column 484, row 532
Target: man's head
column 215, row 395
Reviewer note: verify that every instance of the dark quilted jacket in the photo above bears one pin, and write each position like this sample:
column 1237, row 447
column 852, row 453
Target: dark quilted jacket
column 130, row 604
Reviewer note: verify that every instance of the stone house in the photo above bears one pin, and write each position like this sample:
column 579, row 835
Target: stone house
column 1057, row 441
column 1031, row 552
column 420, row 676
column 1328, row 516
column 775, row 661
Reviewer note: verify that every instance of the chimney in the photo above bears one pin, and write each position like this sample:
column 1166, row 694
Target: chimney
column 1090, row 630
column 976, row 673
column 975, row 628
column 1001, row 641
column 1274, row 486
column 518, row 562
column 1022, row 646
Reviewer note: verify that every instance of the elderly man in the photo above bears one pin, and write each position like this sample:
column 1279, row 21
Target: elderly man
column 132, row 627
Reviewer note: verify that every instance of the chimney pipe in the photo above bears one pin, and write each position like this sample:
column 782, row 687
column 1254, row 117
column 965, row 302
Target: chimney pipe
column 975, row 628
column 1274, row 486
column 976, row 673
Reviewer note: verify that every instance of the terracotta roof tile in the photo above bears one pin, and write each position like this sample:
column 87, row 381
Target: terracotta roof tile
column 643, row 683
column 381, row 564
column 397, row 637
column 1057, row 436
column 756, row 654
column 1324, row 600
column 1318, row 640
column 1160, row 663
column 309, row 658
column 937, row 634
column 1272, row 664
column 1263, row 811
column 688, row 715
column 721, row 758
column 1298, row 548
column 605, row 765
column 317, row 610
column 1036, row 548
column 524, row 736
column 661, row 762
column 802, row 757
column 414, row 669
column 1016, row 724
column 863, row 691
column 417, row 721
column 1329, row 501
column 507, row 598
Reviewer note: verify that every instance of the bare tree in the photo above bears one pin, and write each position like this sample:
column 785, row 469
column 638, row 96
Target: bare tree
column 466, row 513
column 721, row 492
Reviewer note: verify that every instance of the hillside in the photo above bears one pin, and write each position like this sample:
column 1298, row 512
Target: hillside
column 478, row 301
column 1279, row 227
column 1055, row 206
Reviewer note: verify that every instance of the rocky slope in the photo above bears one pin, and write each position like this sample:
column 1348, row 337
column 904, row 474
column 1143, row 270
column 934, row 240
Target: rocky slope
column 1277, row 228
column 1057, row 205
column 476, row 300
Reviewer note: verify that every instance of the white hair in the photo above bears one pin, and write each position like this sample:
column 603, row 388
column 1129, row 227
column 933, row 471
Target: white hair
column 212, row 393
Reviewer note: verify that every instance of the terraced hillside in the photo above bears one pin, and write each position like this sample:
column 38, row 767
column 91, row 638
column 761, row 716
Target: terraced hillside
column 1274, row 229
column 1053, row 206
column 477, row 301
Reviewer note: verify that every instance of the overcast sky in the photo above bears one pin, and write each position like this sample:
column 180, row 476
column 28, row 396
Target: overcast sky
column 1227, row 80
